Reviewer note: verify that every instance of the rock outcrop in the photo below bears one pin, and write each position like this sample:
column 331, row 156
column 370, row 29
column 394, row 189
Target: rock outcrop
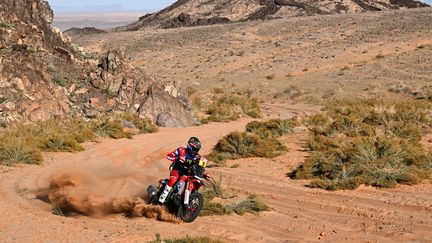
column 203, row 12
column 166, row 104
column 42, row 74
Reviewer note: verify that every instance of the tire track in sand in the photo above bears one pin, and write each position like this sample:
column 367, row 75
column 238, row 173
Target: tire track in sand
column 298, row 213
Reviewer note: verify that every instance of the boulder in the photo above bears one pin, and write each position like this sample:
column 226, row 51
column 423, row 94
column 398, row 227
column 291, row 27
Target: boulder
column 164, row 109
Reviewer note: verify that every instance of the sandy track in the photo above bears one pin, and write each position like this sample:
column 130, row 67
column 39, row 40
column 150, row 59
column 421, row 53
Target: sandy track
column 298, row 213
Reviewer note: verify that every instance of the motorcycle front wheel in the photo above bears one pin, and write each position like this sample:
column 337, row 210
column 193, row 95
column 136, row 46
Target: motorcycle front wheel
column 190, row 212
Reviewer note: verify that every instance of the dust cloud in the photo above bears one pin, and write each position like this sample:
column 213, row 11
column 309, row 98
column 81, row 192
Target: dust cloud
column 99, row 191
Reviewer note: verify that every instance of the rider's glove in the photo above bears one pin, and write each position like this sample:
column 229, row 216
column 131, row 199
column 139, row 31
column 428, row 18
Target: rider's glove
column 182, row 159
column 207, row 176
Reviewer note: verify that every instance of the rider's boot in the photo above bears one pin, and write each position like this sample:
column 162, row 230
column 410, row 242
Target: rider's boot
column 164, row 194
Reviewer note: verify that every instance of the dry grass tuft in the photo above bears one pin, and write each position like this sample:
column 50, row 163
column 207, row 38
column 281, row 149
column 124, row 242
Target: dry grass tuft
column 372, row 142
column 214, row 190
column 187, row 239
column 108, row 128
column 13, row 151
column 145, row 125
column 259, row 140
column 232, row 107
column 215, row 208
column 272, row 128
column 245, row 145
column 23, row 143
column 250, row 205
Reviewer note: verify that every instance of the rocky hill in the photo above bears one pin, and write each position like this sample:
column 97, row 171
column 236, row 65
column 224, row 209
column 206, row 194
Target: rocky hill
column 42, row 74
column 206, row 12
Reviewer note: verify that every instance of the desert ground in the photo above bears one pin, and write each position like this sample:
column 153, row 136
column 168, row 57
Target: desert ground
column 292, row 66
column 297, row 213
column 66, row 20
column 314, row 57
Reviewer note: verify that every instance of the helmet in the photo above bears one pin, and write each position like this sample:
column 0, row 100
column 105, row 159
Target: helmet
column 194, row 146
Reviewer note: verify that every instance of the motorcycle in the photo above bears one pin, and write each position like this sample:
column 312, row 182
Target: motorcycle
column 184, row 198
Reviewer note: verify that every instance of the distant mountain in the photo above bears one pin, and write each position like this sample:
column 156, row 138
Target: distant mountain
column 109, row 8
column 205, row 12
column 103, row 8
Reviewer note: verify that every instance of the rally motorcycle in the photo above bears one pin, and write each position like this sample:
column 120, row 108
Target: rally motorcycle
column 184, row 198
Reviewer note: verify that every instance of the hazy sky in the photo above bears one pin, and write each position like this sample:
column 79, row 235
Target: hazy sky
column 127, row 4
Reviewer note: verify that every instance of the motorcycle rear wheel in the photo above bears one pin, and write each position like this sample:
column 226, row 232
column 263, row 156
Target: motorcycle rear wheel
column 190, row 212
column 153, row 195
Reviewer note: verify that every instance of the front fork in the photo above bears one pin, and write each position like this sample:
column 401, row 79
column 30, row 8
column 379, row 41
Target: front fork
column 187, row 194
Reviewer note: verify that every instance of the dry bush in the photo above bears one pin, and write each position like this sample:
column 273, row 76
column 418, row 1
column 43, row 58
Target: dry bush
column 109, row 128
column 13, row 151
column 379, row 56
column 214, row 208
column 214, row 190
column 372, row 142
column 272, row 128
column 56, row 210
column 245, row 145
column 270, row 76
column 259, row 140
column 232, row 107
column 250, row 205
column 5, row 25
column 23, row 143
column 186, row 239
column 145, row 125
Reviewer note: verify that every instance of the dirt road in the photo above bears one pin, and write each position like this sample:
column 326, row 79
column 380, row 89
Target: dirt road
column 298, row 213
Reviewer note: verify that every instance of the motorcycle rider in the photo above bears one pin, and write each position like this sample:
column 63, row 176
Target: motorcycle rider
column 183, row 159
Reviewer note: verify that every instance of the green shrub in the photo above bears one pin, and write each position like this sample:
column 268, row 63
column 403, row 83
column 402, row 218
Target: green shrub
column 372, row 142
